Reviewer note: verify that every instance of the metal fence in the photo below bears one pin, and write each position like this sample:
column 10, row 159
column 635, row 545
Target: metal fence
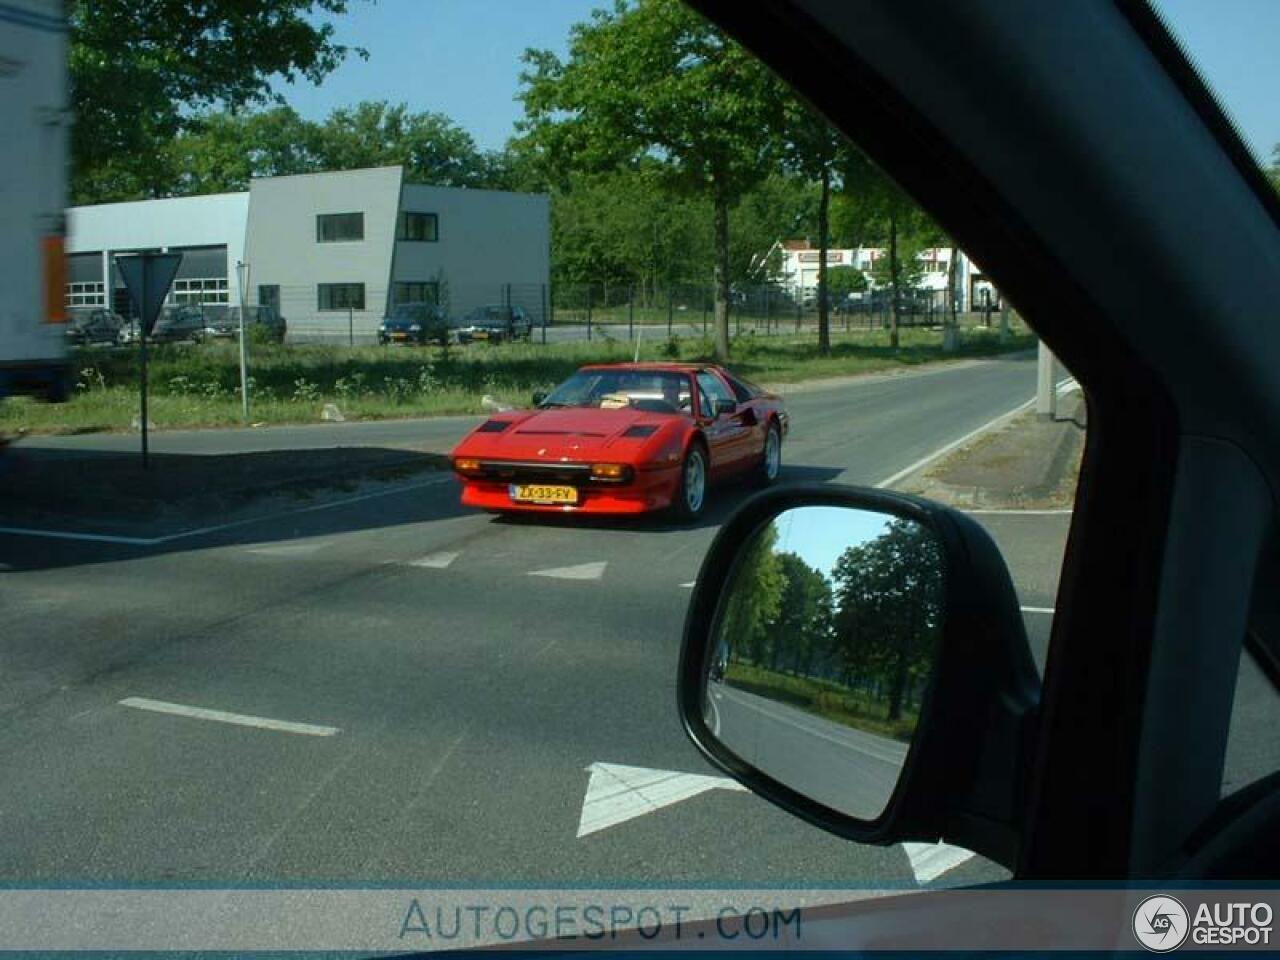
column 589, row 311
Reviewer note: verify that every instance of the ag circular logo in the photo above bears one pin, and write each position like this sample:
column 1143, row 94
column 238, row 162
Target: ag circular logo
column 1160, row 923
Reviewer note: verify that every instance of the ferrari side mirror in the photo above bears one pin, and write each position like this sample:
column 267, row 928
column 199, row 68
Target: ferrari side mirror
column 538, row 397
column 724, row 407
column 859, row 659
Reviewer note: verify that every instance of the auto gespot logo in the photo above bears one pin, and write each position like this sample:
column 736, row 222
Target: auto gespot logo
column 1161, row 923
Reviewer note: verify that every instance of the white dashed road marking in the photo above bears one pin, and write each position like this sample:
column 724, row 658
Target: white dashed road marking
column 690, row 584
column 289, row 549
column 433, row 561
column 583, row 571
column 221, row 716
column 1045, row 610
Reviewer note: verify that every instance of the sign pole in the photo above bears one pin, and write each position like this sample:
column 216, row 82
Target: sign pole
column 142, row 348
column 147, row 277
column 242, row 275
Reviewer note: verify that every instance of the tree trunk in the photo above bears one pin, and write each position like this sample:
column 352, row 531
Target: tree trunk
column 722, row 275
column 895, row 281
column 824, row 320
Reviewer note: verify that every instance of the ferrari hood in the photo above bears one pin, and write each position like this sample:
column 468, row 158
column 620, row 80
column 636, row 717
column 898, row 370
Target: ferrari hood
column 568, row 434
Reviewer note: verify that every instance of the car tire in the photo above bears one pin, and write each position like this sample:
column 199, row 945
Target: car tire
column 691, row 490
column 770, row 457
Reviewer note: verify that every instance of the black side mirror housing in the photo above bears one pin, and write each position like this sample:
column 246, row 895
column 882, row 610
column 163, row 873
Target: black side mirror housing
column 723, row 407
column 960, row 768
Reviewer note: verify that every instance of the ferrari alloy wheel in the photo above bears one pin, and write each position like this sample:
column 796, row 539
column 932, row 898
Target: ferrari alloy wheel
column 771, row 458
column 693, row 484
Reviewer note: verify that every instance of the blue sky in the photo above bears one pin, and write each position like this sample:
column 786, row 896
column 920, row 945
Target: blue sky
column 818, row 535
column 461, row 58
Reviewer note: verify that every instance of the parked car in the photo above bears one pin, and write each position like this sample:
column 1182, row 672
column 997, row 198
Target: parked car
column 625, row 438
column 179, row 324
column 97, row 326
column 495, row 323
column 128, row 333
column 414, row 323
column 223, row 323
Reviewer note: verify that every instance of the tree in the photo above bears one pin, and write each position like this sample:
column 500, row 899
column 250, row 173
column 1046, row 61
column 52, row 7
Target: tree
column 889, row 600
column 754, row 600
column 842, row 281
column 801, row 631
column 1274, row 172
column 430, row 146
column 222, row 152
column 656, row 80
column 897, row 223
column 141, row 69
column 815, row 149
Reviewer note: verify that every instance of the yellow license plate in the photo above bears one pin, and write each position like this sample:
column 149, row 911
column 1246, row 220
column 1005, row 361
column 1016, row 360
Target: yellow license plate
column 543, row 493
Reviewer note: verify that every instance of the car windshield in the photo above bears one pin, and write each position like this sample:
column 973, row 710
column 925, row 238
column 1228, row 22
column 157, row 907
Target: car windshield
column 411, row 311
column 611, row 389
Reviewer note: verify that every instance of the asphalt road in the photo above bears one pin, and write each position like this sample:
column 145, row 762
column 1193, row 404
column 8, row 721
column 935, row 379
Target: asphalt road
column 456, row 676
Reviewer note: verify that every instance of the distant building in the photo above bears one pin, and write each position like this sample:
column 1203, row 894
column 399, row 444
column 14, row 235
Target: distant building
column 329, row 250
column 798, row 271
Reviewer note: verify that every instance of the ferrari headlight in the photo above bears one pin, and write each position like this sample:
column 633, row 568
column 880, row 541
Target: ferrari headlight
column 610, row 471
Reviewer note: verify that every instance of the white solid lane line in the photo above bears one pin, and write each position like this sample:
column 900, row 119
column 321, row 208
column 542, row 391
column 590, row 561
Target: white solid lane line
column 1064, row 386
column 582, row 571
column 221, row 716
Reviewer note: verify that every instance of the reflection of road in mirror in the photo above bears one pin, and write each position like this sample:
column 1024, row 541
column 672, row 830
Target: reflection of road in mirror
column 849, row 770
column 824, row 649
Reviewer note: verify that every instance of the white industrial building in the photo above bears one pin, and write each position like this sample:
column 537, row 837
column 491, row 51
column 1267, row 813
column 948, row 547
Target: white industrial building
column 798, row 270
column 332, row 251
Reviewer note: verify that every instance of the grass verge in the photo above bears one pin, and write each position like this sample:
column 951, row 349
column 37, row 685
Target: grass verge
column 198, row 386
column 822, row 698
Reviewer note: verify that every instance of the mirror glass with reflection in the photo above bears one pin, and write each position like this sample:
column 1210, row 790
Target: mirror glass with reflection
column 822, row 650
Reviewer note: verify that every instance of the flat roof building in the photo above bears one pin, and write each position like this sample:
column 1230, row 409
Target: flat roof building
column 331, row 251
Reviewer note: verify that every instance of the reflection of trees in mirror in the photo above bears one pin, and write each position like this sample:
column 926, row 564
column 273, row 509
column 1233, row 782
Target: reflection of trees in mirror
column 855, row 647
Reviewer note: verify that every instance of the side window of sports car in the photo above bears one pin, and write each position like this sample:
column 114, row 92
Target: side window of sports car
column 740, row 389
column 711, row 389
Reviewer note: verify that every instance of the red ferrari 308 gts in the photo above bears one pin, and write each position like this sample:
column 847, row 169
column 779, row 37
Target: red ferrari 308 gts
column 624, row 438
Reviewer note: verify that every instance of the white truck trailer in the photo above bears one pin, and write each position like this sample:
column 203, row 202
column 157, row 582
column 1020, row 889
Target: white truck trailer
column 35, row 118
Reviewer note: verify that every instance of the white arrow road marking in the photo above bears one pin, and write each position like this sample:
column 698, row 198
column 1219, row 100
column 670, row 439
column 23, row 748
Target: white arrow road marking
column 617, row 793
column 433, row 561
column 583, row 571
column 289, row 549
column 931, row 860
column 241, row 719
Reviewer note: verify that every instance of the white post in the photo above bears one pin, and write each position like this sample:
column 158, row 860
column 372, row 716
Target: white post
column 242, row 277
column 1046, row 384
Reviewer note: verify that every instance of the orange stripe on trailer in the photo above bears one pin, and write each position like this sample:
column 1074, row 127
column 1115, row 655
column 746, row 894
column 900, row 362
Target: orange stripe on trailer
column 55, row 278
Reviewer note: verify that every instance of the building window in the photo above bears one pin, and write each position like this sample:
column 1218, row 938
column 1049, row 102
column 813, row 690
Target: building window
column 417, row 226
column 415, row 292
column 269, row 295
column 92, row 294
column 340, row 296
column 339, row 227
column 200, row 290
